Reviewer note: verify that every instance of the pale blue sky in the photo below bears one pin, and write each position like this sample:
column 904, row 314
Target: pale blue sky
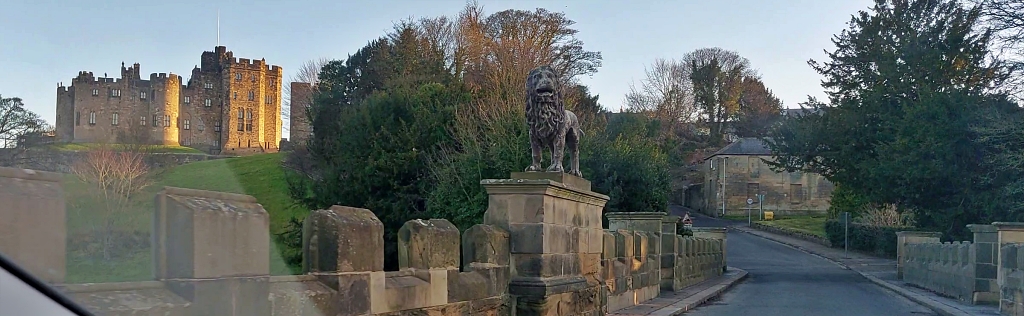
column 43, row 42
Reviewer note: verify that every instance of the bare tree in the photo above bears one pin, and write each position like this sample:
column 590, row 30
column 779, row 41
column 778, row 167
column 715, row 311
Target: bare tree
column 308, row 72
column 20, row 131
column 665, row 93
column 115, row 177
column 1006, row 19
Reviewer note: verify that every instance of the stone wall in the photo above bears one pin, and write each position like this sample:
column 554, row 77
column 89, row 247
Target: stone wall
column 961, row 270
column 62, row 161
column 541, row 251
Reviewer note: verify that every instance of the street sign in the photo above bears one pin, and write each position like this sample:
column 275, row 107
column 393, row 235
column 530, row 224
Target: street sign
column 750, row 201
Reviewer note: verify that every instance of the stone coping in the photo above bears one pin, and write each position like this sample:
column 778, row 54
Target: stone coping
column 526, row 186
column 981, row 228
column 636, row 215
column 109, row 287
column 29, row 174
column 670, row 219
column 1009, row 225
column 209, row 194
column 565, row 178
column 709, row 229
column 918, row 234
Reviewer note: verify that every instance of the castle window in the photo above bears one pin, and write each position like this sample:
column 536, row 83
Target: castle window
column 167, row 120
column 78, row 118
column 235, row 95
column 206, row 102
column 188, row 141
column 142, row 120
column 113, row 119
column 188, row 99
column 142, row 95
column 253, row 78
column 252, row 96
column 208, row 85
column 241, row 125
column 95, row 92
column 187, row 125
column 248, row 120
column 238, row 77
column 92, row 118
column 216, row 126
column 216, row 143
column 115, row 92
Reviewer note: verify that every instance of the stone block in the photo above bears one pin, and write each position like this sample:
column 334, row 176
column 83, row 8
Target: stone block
column 546, row 265
column 232, row 296
column 608, row 245
column 540, row 238
column 33, row 230
column 402, row 292
column 205, row 234
column 342, row 239
column 624, row 246
column 428, row 244
column 485, row 244
column 351, row 288
column 636, row 221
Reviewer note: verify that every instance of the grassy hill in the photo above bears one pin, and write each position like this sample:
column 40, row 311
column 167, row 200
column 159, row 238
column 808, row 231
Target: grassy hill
column 260, row 176
column 150, row 148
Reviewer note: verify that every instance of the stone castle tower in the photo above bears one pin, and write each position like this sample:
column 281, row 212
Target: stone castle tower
column 228, row 106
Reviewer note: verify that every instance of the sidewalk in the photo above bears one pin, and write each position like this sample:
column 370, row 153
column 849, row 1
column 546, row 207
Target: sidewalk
column 676, row 303
column 881, row 271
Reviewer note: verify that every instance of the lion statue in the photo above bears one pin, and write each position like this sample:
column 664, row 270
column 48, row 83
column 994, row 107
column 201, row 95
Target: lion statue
column 551, row 126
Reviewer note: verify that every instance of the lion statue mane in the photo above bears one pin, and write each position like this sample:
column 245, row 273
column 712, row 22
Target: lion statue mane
column 552, row 127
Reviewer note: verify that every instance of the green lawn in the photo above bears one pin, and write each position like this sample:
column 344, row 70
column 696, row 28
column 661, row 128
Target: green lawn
column 260, row 176
column 150, row 148
column 814, row 225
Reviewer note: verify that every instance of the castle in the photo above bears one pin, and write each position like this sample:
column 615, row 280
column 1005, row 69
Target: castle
column 228, row 106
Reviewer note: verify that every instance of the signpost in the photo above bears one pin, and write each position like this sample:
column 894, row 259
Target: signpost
column 846, row 234
column 749, row 203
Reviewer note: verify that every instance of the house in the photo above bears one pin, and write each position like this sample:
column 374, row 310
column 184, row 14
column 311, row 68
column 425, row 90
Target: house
column 738, row 173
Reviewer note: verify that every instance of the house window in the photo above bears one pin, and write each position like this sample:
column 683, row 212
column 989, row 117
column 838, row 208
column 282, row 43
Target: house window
column 115, row 92
column 241, row 124
column 186, row 125
column 238, row 77
column 206, row 102
column 252, row 96
column 142, row 120
column 753, row 189
column 142, row 95
column 216, row 126
column 796, row 193
column 208, row 85
column 248, row 120
column 167, row 120
column 113, row 119
column 188, row 99
column 201, row 126
column 78, row 118
column 95, row 92
column 92, row 118
column 755, row 166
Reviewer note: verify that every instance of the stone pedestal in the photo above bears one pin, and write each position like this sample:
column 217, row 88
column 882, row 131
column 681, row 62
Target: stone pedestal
column 719, row 233
column 33, row 230
column 555, row 239
column 910, row 237
column 1008, row 233
column 213, row 249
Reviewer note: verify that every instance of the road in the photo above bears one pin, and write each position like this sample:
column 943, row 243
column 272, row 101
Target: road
column 786, row 281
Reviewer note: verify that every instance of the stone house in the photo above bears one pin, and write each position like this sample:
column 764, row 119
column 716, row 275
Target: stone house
column 737, row 172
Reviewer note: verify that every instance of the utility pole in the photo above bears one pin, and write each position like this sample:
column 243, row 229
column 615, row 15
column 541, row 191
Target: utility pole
column 725, row 161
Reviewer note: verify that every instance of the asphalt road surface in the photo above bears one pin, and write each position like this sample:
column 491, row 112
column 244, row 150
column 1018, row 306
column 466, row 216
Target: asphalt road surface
column 786, row 281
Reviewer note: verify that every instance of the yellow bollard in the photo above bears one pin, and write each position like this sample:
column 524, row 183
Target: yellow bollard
column 769, row 216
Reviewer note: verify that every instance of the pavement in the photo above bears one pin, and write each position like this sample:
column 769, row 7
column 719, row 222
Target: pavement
column 792, row 276
column 676, row 303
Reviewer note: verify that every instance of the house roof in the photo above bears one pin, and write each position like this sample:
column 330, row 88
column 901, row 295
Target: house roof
column 749, row 146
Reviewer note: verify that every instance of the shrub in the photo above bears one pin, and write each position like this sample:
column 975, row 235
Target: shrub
column 879, row 240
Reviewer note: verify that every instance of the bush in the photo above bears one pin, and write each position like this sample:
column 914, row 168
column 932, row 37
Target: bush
column 879, row 240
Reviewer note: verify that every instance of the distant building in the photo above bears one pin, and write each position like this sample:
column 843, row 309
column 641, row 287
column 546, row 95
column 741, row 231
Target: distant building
column 739, row 167
column 228, row 106
column 301, row 99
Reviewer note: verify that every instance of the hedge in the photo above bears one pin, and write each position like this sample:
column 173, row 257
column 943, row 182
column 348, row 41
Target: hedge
column 875, row 239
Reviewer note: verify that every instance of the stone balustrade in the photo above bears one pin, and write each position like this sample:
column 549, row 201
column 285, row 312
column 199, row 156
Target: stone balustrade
column 945, row 268
column 541, row 250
